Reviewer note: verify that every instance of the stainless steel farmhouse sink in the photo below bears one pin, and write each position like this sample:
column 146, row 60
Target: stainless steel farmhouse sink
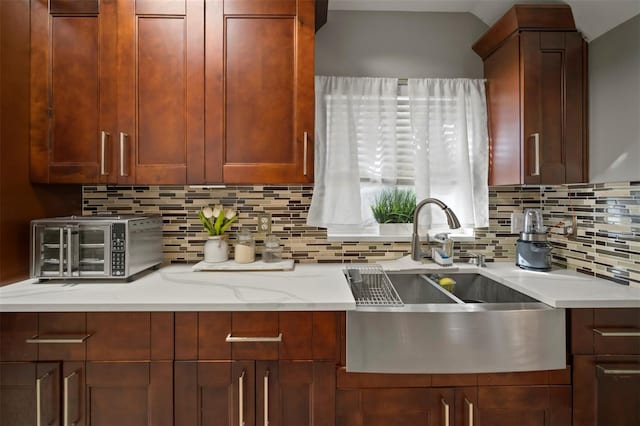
column 407, row 323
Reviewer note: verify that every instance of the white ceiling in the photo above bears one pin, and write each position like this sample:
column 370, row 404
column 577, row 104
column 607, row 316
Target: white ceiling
column 593, row 17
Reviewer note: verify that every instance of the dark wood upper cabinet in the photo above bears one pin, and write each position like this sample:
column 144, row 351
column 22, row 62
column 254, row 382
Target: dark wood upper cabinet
column 535, row 66
column 260, row 99
column 160, row 92
column 73, row 88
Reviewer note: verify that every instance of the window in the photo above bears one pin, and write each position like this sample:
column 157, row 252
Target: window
column 371, row 134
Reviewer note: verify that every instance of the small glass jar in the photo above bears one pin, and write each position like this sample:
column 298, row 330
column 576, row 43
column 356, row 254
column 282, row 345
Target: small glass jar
column 272, row 250
column 245, row 248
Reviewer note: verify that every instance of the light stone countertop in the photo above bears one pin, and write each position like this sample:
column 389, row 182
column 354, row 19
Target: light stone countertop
column 309, row 287
column 560, row 288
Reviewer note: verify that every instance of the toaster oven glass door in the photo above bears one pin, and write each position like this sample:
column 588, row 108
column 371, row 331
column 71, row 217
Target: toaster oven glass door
column 68, row 251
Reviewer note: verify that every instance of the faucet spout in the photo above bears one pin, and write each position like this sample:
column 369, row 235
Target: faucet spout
column 416, row 245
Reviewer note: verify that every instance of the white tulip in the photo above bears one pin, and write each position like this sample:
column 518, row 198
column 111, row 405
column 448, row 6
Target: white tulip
column 207, row 212
column 217, row 210
column 230, row 214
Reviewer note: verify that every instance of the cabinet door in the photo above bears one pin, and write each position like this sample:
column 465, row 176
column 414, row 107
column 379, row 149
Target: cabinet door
column 260, row 101
column 292, row 393
column 523, row 405
column 606, row 390
column 400, row 406
column 73, row 88
column 553, row 100
column 29, row 393
column 129, row 393
column 214, row 393
column 160, row 92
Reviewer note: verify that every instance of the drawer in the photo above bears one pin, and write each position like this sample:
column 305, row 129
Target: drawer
column 605, row 331
column 94, row 336
column 256, row 335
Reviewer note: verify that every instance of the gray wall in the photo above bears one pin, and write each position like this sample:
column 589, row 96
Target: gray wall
column 614, row 104
column 399, row 44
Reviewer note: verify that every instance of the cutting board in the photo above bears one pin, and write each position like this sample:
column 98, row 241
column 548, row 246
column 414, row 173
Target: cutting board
column 232, row 265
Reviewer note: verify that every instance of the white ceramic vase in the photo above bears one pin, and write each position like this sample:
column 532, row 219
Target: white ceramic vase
column 216, row 249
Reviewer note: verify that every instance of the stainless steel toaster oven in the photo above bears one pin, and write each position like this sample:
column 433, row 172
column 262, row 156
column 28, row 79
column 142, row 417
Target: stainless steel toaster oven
column 94, row 247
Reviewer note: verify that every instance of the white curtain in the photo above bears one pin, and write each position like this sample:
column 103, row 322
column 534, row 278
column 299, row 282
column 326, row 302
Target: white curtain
column 449, row 130
column 354, row 139
column 366, row 140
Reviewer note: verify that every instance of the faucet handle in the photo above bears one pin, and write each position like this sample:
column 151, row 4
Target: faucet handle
column 477, row 259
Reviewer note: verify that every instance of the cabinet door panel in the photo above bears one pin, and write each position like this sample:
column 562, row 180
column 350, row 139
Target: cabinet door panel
column 552, row 71
column 399, row 406
column 606, row 390
column 268, row 92
column 73, row 92
column 129, row 393
column 208, row 392
column 524, row 405
column 260, row 91
column 295, row 393
column 29, row 390
column 160, row 98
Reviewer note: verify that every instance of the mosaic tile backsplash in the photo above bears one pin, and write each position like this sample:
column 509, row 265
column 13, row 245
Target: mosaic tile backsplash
column 607, row 244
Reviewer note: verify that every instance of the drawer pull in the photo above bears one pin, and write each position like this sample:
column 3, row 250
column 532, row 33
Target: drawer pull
column 621, row 370
column 617, row 332
column 238, row 339
column 69, row 339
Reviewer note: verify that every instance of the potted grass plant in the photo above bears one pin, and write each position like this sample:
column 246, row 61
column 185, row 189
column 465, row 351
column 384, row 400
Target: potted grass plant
column 393, row 210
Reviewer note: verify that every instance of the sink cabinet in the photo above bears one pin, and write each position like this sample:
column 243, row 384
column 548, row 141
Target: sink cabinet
column 86, row 368
column 537, row 398
column 606, row 358
column 278, row 368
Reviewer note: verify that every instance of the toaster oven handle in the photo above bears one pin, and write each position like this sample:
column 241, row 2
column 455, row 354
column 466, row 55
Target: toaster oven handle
column 61, row 252
column 69, row 253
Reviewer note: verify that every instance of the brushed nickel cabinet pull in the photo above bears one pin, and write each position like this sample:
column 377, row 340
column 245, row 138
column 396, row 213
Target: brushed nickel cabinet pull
column 70, row 339
column 624, row 371
column 445, row 407
column 124, row 154
column 103, row 143
column 304, row 150
column 239, row 339
column 39, row 398
column 241, row 400
column 266, row 398
column 66, row 398
column 469, row 405
column 536, row 141
column 617, row 332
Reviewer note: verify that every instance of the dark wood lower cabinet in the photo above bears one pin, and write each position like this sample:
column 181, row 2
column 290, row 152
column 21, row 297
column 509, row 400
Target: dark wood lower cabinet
column 398, row 407
column 285, row 393
column 460, row 406
column 29, row 393
column 523, row 406
column 92, row 393
column 606, row 390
